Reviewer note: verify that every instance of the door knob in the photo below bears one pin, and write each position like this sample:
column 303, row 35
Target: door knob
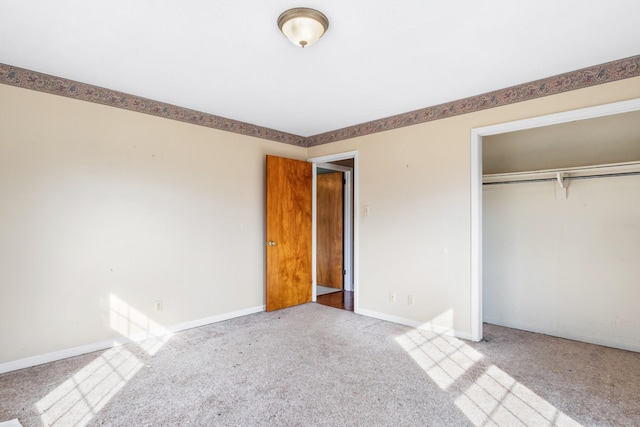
column 271, row 243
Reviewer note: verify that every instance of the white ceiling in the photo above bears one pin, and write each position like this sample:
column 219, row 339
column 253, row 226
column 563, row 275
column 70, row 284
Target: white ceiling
column 378, row 58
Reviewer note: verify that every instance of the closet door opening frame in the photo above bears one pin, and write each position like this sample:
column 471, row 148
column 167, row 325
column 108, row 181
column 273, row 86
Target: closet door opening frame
column 476, row 184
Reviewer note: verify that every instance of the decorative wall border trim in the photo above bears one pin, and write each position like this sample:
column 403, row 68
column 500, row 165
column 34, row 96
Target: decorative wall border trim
column 27, row 79
column 591, row 76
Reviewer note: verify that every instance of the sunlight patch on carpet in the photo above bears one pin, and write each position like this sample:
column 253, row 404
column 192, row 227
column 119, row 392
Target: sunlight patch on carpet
column 444, row 359
column 493, row 397
column 78, row 399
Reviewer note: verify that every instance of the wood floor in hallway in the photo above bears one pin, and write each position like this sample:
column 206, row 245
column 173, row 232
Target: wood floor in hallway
column 342, row 300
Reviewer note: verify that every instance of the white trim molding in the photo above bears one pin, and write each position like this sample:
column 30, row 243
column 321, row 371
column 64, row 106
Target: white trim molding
column 332, row 158
column 423, row 326
column 476, row 184
column 569, row 336
column 106, row 344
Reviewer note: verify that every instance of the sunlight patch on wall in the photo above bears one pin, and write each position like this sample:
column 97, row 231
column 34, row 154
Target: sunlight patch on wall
column 77, row 400
column 483, row 392
column 133, row 324
column 444, row 322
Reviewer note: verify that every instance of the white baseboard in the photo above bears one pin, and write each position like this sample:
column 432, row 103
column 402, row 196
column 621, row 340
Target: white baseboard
column 425, row 326
column 103, row 345
column 567, row 335
column 216, row 319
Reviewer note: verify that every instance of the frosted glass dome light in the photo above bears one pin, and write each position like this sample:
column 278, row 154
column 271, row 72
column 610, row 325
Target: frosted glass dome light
column 303, row 26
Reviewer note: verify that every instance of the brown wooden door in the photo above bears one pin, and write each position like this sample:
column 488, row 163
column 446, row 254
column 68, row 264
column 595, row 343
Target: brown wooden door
column 329, row 230
column 288, row 249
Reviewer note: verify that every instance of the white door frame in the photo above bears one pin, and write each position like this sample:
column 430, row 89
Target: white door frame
column 476, row 184
column 317, row 161
column 347, row 212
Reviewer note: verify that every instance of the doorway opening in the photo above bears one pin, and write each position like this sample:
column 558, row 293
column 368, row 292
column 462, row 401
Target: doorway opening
column 333, row 256
column 477, row 135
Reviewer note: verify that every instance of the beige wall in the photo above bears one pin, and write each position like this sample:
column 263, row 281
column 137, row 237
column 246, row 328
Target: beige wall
column 416, row 180
column 103, row 207
column 105, row 211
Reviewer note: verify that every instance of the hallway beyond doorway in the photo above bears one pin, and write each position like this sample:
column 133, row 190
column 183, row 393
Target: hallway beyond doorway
column 340, row 299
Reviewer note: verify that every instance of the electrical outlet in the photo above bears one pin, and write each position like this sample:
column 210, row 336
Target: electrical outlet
column 411, row 300
column 158, row 305
column 392, row 297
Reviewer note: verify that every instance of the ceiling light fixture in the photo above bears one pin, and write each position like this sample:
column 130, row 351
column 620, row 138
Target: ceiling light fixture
column 303, row 26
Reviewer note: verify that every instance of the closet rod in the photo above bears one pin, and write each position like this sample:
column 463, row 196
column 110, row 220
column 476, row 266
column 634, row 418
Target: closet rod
column 604, row 175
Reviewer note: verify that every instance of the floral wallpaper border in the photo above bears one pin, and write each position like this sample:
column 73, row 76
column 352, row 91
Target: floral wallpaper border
column 27, row 79
column 591, row 76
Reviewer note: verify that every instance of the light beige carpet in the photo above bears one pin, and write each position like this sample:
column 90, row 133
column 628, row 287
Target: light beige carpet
column 313, row 365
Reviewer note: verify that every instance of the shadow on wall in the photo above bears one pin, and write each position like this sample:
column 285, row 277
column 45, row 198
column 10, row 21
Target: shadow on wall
column 76, row 401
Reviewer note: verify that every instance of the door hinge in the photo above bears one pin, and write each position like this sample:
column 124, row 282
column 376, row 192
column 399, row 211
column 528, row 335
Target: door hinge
column 344, row 181
column 344, row 272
